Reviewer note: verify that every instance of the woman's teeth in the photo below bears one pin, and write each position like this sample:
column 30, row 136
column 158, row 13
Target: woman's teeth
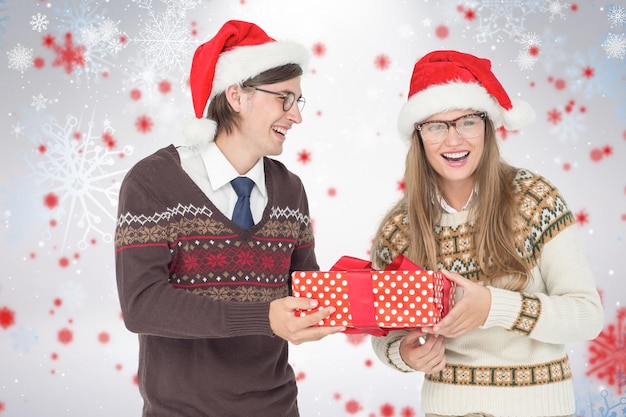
column 456, row 156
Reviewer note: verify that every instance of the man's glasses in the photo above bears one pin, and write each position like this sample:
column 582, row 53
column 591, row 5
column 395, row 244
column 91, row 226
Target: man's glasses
column 468, row 126
column 288, row 99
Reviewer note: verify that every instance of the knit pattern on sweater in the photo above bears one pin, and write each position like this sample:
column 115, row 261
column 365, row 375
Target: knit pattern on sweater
column 542, row 215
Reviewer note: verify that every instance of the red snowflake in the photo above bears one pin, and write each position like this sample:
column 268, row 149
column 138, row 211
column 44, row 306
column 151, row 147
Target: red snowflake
column 442, row 31
column 135, row 94
column 165, row 87
column 104, row 338
column 608, row 353
column 108, row 139
column 503, row 133
column 470, row 14
column 64, row 262
column 582, row 217
column 7, row 317
column 304, row 156
column 356, row 339
column 51, row 200
column 554, row 116
column 382, row 62
column 533, row 50
column 387, row 410
column 596, row 154
column 68, row 55
column 400, row 185
column 144, row 124
column 407, row 412
column 588, row 72
column 353, row 407
column 319, row 49
column 65, row 336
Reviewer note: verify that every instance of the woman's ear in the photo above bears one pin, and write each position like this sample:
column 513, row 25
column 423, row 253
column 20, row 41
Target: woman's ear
column 234, row 95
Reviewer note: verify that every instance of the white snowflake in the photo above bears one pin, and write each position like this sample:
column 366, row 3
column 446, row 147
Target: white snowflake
column 615, row 45
column 24, row 339
column 146, row 4
column 17, row 129
column 102, row 38
column 507, row 16
column 617, row 16
column 571, row 127
column 528, row 40
column 39, row 102
column 166, row 41
column 20, row 58
column 525, row 61
column 555, row 8
column 79, row 172
column 39, row 22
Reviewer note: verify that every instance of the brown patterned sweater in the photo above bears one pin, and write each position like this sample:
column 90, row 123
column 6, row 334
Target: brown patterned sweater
column 516, row 363
column 197, row 288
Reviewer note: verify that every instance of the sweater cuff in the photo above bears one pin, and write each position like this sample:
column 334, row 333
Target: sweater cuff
column 249, row 318
column 505, row 308
column 394, row 357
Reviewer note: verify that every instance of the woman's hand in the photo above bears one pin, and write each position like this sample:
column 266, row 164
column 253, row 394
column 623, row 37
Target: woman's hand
column 423, row 352
column 468, row 313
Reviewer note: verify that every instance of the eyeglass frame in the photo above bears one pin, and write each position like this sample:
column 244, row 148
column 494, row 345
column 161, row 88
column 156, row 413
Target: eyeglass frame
column 449, row 124
column 285, row 96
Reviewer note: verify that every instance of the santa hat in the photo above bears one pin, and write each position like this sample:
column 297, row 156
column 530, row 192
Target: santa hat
column 448, row 80
column 239, row 51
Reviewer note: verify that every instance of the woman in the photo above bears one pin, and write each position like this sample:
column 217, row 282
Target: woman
column 504, row 235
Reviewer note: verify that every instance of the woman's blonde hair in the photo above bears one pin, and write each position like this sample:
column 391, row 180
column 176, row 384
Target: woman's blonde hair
column 493, row 211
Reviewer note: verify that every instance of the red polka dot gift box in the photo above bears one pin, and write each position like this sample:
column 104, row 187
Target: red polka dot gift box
column 403, row 296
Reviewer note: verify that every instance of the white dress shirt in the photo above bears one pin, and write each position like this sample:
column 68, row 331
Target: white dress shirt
column 212, row 172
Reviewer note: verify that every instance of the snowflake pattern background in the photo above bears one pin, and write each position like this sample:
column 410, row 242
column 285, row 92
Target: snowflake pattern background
column 95, row 85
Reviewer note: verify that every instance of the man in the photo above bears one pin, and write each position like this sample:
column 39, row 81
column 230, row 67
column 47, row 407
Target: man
column 203, row 273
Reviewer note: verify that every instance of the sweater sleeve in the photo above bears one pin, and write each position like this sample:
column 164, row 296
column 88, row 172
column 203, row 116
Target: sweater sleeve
column 561, row 305
column 150, row 305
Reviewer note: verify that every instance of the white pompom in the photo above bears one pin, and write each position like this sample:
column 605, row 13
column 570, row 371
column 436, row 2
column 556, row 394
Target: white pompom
column 199, row 131
column 521, row 115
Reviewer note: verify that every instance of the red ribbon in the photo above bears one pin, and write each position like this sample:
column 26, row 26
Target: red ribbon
column 358, row 275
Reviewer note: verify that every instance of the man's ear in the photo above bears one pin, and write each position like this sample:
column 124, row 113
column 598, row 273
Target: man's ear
column 234, row 95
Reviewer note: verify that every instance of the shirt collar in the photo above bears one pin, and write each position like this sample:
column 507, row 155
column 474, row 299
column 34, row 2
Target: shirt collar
column 221, row 172
column 448, row 208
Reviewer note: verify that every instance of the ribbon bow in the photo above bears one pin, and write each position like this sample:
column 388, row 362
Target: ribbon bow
column 358, row 276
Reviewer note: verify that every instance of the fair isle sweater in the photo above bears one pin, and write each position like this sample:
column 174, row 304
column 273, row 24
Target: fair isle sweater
column 196, row 288
column 516, row 364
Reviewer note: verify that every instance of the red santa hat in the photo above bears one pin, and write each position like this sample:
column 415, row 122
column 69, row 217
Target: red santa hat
column 239, row 51
column 448, row 80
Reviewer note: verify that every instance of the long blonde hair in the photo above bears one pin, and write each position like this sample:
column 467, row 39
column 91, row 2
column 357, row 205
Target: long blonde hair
column 493, row 210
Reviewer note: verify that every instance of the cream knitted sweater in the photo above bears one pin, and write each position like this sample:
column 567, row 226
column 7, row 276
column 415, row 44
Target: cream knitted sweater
column 516, row 363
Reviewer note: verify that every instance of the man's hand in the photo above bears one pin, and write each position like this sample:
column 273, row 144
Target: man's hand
column 425, row 354
column 468, row 313
column 285, row 324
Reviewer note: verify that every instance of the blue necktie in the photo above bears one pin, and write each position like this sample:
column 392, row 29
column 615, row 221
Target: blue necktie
column 242, row 214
